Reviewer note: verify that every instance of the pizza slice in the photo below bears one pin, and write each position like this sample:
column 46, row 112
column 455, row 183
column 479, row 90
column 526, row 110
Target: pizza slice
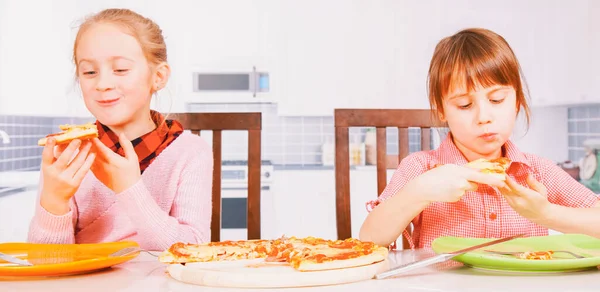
column 315, row 255
column 302, row 254
column 496, row 167
column 536, row 255
column 71, row 132
column 216, row 251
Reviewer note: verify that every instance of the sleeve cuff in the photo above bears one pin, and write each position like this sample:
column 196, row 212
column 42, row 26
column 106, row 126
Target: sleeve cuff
column 56, row 223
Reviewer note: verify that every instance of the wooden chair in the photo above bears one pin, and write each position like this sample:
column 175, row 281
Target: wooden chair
column 219, row 122
column 380, row 119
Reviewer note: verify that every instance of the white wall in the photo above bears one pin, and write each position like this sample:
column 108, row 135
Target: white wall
column 547, row 134
column 35, row 58
column 357, row 54
column 36, row 43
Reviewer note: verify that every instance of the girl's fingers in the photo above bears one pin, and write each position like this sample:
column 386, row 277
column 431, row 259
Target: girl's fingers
column 79, row 159
column 65, row 157
column 85, row 167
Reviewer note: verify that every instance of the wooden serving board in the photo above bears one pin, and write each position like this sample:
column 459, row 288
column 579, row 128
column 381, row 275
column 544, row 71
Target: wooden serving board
column 258, row 274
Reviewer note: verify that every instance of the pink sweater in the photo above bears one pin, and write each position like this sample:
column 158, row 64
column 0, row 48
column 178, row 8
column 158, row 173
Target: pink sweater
column 170, row 203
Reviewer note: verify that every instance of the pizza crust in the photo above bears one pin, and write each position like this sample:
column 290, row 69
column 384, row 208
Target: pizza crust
column 300, row 254
column 71, row 132
column 376, row 256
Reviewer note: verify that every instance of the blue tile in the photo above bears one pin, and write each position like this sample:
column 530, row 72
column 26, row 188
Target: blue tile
column 571, row 113
column 580, row 113
column 594, row 111
column 313, row 139
column 594, row 127
column 582, row 127
column 312, row 129
column 572, row 127
column 293, row 139
column 580, row 140
column 572, row 141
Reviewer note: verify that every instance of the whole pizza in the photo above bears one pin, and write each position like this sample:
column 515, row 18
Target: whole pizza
column 302, row 254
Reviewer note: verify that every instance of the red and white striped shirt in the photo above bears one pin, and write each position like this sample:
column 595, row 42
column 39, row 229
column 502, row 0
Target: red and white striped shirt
column 483, row 213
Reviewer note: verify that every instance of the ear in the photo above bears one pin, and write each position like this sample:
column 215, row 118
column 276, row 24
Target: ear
column 161, row 76
column 441, row 116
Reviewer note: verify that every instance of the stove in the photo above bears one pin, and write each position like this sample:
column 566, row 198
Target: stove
column 234, row 199
column 234, row 173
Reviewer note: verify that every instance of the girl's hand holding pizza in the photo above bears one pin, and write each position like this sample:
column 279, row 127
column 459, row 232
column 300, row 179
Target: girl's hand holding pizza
column 530, row 202
column 448, row 183
column 115, row 171
column 63, row 174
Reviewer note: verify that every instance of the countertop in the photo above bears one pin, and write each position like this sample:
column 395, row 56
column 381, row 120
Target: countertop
column 145, row 273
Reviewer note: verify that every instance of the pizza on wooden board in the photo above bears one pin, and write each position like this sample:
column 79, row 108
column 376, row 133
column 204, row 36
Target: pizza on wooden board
column 302, row 254
column 496, row 167
column 71, row 132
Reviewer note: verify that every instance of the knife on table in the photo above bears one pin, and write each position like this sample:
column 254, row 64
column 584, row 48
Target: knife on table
column 438, row 258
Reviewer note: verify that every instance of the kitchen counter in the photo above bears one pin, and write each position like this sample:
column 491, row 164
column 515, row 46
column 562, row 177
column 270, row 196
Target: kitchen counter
column 18, row 180
column 145, row 273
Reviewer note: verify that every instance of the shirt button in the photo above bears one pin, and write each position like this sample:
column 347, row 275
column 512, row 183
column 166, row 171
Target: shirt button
column 493, row 216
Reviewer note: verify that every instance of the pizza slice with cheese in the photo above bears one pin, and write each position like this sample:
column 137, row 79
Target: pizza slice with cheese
column 71, row 132
column 302, row 254
column 496, row 167
column 316, row 254
column 216, row 251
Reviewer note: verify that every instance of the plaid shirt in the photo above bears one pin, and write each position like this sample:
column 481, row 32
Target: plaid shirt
column 148, row 146
column 484, row 212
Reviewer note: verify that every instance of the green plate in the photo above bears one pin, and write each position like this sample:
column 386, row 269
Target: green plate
column 583, row 245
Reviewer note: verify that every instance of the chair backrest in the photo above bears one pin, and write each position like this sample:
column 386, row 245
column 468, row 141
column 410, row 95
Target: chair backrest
column 219, row 122
column 380, row 119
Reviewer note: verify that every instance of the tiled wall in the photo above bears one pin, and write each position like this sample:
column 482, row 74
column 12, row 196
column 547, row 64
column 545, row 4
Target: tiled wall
column 584, row 124
column 285, row 140
column 22, row 153
column 293, row 140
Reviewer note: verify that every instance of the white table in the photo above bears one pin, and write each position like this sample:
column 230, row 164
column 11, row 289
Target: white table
column 145, row 273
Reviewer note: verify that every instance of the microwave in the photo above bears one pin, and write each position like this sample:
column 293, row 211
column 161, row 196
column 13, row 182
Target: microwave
column 230, row 86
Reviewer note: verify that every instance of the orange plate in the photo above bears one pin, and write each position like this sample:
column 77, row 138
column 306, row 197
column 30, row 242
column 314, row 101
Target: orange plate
column 62, row 259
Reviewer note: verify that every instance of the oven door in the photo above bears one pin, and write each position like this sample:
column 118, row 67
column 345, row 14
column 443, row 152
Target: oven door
column 234, row 213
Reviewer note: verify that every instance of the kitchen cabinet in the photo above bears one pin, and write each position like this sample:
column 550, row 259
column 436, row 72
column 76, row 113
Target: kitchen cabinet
column 331, row 54
column 36, row 68
column 305, row 200
column 563, row 50
column 320, row 55
column 548, row 37
column 594, row 51
column 378, row 55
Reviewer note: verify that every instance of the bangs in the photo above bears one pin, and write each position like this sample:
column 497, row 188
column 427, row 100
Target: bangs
column 471, row 64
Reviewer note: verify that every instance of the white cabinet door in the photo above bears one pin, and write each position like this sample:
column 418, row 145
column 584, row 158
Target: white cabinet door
column 566, row 53
column 304, row 203
column 594, row 53
column 330, row 54
column 36, row 35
